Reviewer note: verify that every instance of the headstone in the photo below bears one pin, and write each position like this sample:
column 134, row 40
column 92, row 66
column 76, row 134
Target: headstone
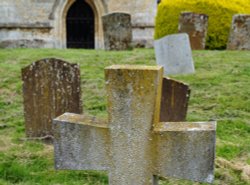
column 50, row 88
column 174, row 53
column 195, row 25
column 134, row 146
column 174, row 100
column 239, row 38
column 117, row 30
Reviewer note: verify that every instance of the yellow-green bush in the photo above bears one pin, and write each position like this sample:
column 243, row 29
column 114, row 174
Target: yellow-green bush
column 220, row 14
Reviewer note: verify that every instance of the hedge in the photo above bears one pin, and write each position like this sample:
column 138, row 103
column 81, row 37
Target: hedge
column 220, row 14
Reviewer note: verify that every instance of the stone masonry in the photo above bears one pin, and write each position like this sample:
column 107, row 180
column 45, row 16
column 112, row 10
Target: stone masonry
column 42, row 23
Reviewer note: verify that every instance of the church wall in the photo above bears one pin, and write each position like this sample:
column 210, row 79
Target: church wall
column 25, row 23
column 41, row 23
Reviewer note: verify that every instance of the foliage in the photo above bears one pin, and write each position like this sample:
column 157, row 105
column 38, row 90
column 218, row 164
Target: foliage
column 220, row 91
column 220, row 17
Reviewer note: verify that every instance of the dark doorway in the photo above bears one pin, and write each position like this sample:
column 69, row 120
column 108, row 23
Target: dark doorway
column 80, row 26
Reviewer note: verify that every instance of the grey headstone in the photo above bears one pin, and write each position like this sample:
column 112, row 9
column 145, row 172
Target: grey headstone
column 50, row 88
column 117, row 30
column 174, row 53
column 239, row 38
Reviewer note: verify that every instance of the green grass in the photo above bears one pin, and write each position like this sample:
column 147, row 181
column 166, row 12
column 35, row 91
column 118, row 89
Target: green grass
column 220, row 91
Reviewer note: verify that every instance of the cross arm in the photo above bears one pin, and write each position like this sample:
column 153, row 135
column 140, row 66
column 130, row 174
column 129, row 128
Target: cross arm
column 81, row 143
column 185, row 150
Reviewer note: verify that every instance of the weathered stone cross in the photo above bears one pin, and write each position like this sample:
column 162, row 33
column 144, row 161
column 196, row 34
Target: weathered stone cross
column 133, row 146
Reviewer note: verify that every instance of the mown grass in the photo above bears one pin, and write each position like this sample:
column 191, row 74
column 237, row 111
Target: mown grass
column 220, row 91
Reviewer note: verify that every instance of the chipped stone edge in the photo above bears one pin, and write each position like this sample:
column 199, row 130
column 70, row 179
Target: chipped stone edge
column 81, row 119
column 185, row 126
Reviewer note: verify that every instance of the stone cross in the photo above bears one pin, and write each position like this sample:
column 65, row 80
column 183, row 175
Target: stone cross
column 50, row 88
column 195, row 25
column 117, row 30
column 133, row 145
column 239, row 38
column 174, row 53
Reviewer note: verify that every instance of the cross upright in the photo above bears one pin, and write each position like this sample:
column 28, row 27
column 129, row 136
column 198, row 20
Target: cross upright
column 133, row 145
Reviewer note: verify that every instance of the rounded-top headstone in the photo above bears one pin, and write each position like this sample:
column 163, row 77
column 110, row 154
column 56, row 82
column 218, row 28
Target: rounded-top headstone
column 239, row 38
column 195, row 25
column 51, row 87
column 117, row 30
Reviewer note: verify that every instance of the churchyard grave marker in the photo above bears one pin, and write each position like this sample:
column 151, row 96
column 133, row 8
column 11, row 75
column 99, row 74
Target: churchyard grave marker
column 195, row 25
column 174, row 53
column 117, row 30
column 239, row 38
column 50, row 88
column 174, row 100
column 133, row 145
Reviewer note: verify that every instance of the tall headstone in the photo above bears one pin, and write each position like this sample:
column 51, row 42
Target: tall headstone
column 195, row 25
column 133, row 145
column 174, row 53
column 117, row 30
column 174, row 100
column 50, row 88
column 239, row 38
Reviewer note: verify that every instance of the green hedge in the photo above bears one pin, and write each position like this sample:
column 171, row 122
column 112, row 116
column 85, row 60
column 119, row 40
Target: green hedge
column 220, row 17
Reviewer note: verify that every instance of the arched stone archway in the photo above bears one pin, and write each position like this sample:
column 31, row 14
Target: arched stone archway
column 80, row 26
column 60, row 14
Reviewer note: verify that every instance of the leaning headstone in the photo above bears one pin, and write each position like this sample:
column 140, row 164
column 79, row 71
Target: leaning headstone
column 195, row 25
column 134, row 146
column 174, row 100
column 117, row 30
column 50, row 88
column 239, row 38
column 174, row 53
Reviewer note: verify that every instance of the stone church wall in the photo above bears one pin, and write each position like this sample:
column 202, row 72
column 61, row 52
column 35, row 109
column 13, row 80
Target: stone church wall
column 24, row 23
column 41, row 23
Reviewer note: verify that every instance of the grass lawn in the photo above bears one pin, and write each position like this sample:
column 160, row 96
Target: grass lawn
column 220, row 91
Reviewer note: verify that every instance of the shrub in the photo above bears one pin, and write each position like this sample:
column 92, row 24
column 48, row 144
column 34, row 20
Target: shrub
column 220, row 14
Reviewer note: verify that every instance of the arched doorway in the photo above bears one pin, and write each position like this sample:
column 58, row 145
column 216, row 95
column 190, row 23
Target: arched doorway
column 80, row 27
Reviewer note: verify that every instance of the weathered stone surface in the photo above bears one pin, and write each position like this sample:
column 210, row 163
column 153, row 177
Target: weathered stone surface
column 41, row 25
column 173, row 52
column 36, row 43
column 36, row 15
column 195, row 25
column 117, row 30
column 50, row 88
column 133, row 145
column 143, row 14
column 187, row 150
column 239, row 38
column 143, row 36
column 174, row 100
